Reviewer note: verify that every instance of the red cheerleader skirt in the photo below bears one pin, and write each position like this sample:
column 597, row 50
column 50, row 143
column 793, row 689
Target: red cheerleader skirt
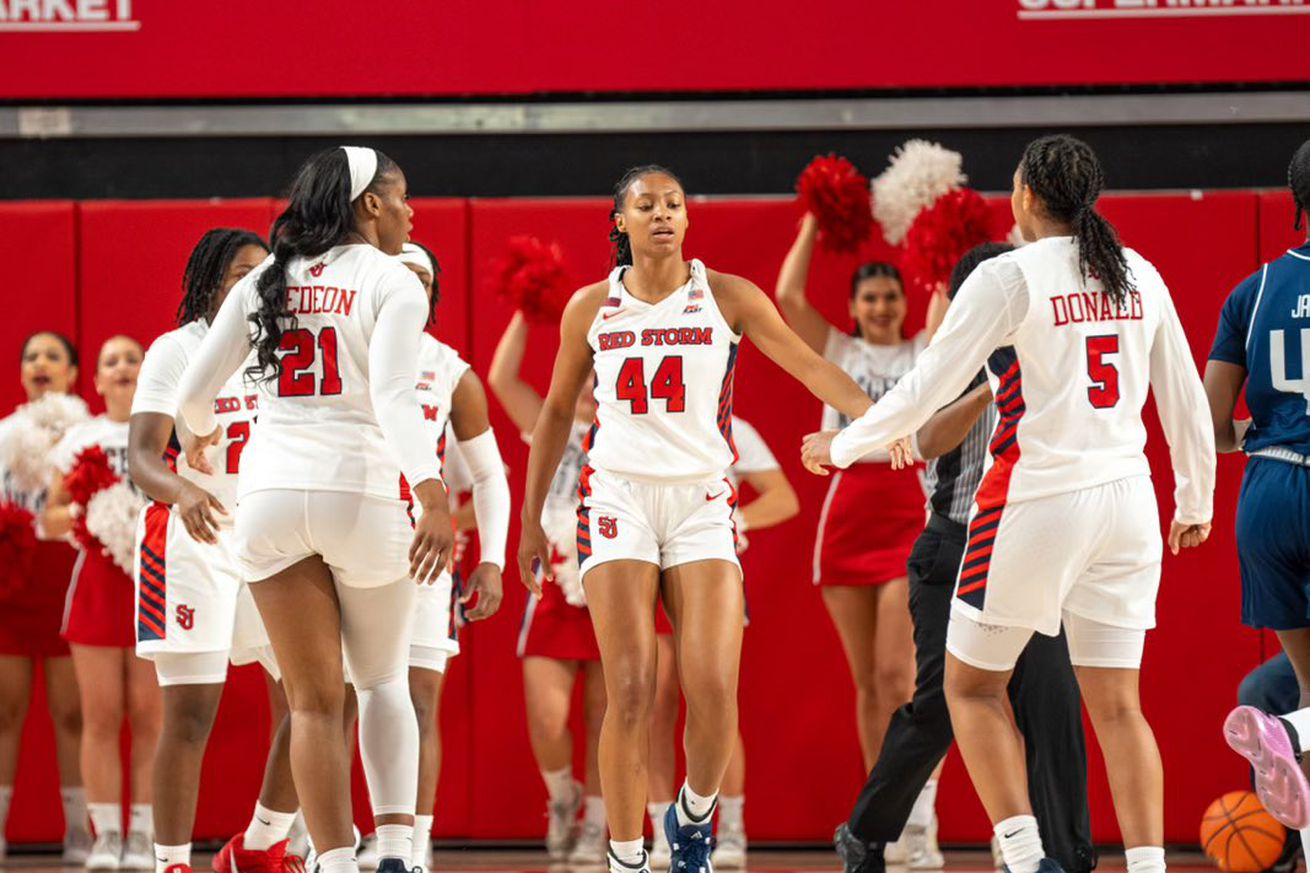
column 30, row 619
column 869, row 522
column 554, row 628
column 101, row 604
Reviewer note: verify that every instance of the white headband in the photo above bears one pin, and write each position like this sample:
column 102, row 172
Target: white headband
column 363, row 164
column 415, row 256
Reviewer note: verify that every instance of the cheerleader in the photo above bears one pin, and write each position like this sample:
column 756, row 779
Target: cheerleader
column 655, row 522
column 99, row 623
column 774, row 503
column 556, row 642
column 872, row 513
column 32, row 605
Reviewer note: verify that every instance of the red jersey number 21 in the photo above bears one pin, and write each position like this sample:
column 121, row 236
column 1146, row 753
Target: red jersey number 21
column 302, row 348
column 1103, row 393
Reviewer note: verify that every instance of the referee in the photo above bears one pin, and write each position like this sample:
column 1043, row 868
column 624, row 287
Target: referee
column 1043, row 691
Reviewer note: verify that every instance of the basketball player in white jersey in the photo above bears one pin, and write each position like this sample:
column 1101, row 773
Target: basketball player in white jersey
column 323, row 532
column 656, row 516
column 450, row 392
column 194, row 613
column 1074, row 330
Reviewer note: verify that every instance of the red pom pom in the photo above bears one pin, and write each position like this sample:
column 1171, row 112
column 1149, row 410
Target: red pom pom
column 838, row 195
column 940, row 236
column 17, row 547
column 91, row 473
column 532, row 277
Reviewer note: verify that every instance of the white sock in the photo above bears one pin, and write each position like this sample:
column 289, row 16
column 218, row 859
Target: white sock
column 422, row 841
column 657, row 811
column 1021, row 843
column 74, row 801
column 924, row 805
column 732, row 813
column 1145, row 859
column 1300, row 719
column 594, row 811
column 630, row 852
column 340, row 860
column 107, row 817
column 559, row 784
column 694, row 808
column 142, row 820
column 1305, row 842
column 6, row 795
column 167, row 856
column 267, row 828
column 395, row 841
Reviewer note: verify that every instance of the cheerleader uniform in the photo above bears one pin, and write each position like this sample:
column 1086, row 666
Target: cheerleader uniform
column 556, row 625
column 100, row 609
column 31, row 614
column 872, row 514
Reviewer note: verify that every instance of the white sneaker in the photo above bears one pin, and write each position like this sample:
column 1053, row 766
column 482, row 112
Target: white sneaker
column 106, row 852
column 661, row 856
column 729, row 849
column 77, row 845
column 591, row 846
column 922, row 852
column 897, row 853
column 367, row 852
column 562, row 825
column 138, row 852
column 617, row 866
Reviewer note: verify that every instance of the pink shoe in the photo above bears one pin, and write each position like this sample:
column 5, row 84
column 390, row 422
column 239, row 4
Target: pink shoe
column 1279, row 781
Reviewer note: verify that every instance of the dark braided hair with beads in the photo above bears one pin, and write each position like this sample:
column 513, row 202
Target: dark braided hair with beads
column 1064, row 173
column 619, row 239
column 1298, row 179
column 206, row 268
column 320, row 215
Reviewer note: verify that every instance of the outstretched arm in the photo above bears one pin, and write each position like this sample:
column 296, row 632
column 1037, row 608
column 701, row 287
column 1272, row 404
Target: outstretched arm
column 520, row 400
column 807, row 321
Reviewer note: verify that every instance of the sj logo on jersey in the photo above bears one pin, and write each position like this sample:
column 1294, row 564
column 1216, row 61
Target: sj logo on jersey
column 608, row 527
column 186, row 616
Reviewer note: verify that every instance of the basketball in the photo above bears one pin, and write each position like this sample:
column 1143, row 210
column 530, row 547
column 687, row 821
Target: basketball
column 1239, row 835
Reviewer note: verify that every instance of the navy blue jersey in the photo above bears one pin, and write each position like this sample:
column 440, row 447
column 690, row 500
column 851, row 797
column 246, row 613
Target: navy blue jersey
column 1265, row 327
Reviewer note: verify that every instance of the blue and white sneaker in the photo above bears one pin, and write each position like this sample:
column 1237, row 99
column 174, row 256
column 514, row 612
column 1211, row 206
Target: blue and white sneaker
column 690, row 845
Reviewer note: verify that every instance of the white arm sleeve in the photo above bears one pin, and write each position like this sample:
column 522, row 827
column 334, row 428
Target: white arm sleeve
column 224, row 348
column 491, row 502
column 392, row 352
column 1185, row 416
column 161, row 374
column 989, row 306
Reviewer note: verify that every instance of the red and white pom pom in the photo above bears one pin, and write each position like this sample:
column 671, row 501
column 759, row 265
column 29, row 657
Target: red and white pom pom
column 111, row 518
column 941, row 235
column 25, row 451
column 919, row 172
column 837, row 194
column 532, row 277
column 17, row 547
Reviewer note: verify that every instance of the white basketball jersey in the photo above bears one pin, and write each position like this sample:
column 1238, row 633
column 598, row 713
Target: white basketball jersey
column 663, row 384
column 236, row 408
column 439, row 370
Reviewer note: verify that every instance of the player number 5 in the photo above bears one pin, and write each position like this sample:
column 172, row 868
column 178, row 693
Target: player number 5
column 1103, row 393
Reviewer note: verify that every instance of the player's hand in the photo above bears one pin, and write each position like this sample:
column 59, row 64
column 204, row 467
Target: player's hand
column 1187, row 536
column 902, row 452
column 196, row 507
column 434, row 534
column 194, row 448
column 534, row 553
column 486, row 585
column 816, row 452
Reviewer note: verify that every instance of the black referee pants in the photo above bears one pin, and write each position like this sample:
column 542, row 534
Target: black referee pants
column 1047, row 707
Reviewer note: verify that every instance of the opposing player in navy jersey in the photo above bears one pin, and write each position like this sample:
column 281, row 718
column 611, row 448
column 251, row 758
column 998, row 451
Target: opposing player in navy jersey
column 1263, row 344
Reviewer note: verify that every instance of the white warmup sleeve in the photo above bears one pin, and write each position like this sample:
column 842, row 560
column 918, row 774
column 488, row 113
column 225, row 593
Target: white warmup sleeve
column 491, row 501
column 161, row 374
column 224, row 348
column 1185, row 416
column 392, row 352
column 987, row 309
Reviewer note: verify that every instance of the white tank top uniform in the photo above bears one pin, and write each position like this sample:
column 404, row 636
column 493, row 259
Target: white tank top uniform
column 190, row 595
column 337, row 426
column 1064, row 523
column 655, row 488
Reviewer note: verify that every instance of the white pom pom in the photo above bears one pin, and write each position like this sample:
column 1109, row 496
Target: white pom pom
column 111, row 517
column 36, row 428
column 919, row 172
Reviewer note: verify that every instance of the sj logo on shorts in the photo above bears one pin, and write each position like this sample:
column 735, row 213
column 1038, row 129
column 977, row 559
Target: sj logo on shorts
column 186, row 616
column 608, row 527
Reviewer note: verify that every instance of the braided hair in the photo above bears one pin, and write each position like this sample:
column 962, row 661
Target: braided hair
column 205, row 269
column 622, row 245
column 1298, row 179
column 320, row 215
column 436, row 282
column 1065, row 174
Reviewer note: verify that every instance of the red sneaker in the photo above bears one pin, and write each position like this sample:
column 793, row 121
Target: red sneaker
column 234, row 858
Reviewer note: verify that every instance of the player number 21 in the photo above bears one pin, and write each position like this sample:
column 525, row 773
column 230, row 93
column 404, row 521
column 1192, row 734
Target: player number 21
column 667, row 385
column 302, row 348
column 1104, row 390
